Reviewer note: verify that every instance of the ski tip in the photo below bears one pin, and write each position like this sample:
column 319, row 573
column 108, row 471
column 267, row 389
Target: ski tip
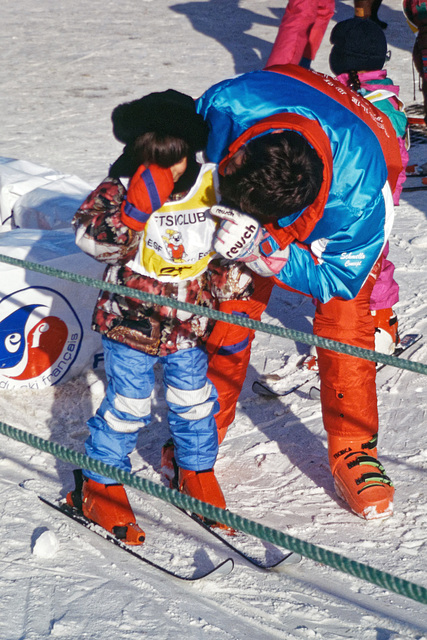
column 407, row 341
column 314, row 393
column 263, row 390
column 288, row 561
column 222, row 570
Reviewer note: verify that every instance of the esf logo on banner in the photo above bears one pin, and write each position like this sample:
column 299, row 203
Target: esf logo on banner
column 40, row 338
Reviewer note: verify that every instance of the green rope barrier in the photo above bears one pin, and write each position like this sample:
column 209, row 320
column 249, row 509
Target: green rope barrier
column 314, row 552
column 297, row 336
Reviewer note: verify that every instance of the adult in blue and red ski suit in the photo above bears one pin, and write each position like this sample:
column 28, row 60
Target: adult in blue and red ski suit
column 335, row 244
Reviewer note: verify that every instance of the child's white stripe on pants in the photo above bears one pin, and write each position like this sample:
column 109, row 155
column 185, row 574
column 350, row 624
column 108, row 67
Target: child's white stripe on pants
column 120, row 425
column 197, row 401
column 138, row 407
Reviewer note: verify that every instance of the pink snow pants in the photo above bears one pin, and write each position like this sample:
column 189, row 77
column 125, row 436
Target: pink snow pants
column 301, row 31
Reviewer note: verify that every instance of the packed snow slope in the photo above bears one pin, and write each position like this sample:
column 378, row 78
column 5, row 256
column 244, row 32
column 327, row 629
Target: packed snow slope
column 64, row 67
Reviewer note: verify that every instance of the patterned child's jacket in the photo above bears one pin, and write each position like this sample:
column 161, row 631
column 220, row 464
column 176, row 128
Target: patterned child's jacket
column 171, row 257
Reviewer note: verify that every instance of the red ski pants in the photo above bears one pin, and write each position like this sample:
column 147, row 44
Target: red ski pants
column 348, row 389
column 347, row 384
column 229, row 349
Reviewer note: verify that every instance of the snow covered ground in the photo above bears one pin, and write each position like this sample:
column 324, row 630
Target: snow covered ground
column 63, row 67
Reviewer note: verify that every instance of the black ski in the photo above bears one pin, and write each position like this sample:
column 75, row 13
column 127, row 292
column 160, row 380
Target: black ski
column 222, row 569
column 262, row 388
column 418, row 187
column 286, row 560
column 305, row 371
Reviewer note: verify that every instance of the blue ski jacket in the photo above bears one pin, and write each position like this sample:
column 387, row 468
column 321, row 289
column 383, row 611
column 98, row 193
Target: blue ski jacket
column 334, row 242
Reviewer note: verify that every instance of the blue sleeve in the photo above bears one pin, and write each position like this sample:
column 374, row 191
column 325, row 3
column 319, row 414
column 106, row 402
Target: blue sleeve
column 340, row 264
column 222, row 126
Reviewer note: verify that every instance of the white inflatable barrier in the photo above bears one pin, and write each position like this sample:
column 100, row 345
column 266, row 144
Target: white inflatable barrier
column 45, row 322
column 36, row 197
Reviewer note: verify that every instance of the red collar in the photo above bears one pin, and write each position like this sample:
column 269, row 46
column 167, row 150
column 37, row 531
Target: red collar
column 317, row 138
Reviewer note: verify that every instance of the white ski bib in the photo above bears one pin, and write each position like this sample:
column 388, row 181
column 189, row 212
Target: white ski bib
column 177, row 240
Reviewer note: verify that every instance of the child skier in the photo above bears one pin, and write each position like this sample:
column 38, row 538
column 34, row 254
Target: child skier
column 357, row 58
column 167, row 202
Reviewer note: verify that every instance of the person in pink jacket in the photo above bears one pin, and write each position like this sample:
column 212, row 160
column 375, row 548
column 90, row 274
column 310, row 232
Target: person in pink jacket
column 301, row 32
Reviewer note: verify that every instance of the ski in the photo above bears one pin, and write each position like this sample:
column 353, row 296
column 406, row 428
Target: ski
column 417, row 121
column 296, row 374
column 416, row 171
column 220, row 570
column 266, row 388
column 262, row 388
column 288, row 559
column 417, row 130
column 418, row 187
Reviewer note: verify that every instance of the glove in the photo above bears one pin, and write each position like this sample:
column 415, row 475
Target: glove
column 238, row 234
column 241, row 237
column 148, row 190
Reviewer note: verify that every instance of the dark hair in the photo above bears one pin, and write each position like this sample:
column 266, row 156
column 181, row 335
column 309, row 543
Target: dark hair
column 165, row 151
column 150, row 148
column 354, row 80
column 280, row 175
column 155, row 148
column 161, row 127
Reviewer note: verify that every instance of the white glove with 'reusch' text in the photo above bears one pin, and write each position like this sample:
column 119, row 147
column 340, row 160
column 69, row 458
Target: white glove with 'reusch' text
column 238, row 234
column 241, row 237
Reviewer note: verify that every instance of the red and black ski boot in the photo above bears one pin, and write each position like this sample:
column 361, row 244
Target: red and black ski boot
column 203, row 486
column 106, row 505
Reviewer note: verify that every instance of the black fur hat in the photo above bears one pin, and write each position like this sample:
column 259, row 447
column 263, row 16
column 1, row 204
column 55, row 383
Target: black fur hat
column 359, row 44
column 167, row 112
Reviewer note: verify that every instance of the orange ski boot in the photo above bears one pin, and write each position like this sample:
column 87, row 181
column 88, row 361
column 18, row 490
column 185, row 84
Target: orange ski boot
column 360, row 478
column 203, row 486
column 108, row 506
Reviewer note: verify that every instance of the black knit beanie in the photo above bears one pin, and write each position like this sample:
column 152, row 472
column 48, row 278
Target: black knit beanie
column 359, row 44
column 167, row 113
